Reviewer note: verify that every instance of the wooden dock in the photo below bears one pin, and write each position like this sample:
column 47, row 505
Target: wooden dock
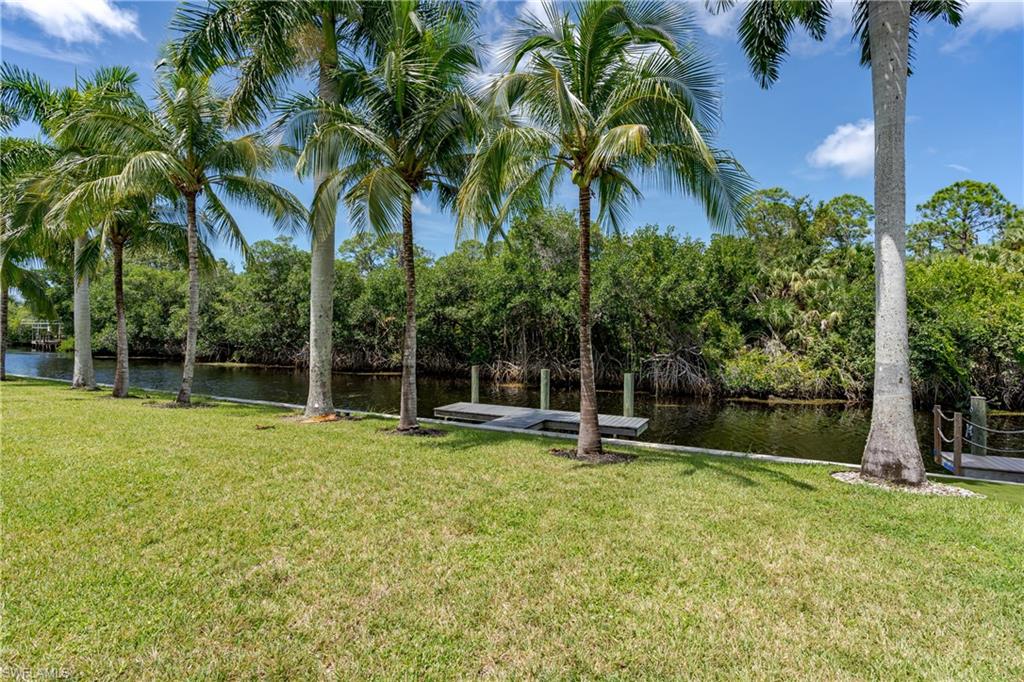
column 974, row 433
column 992, row 467
column 505, row 416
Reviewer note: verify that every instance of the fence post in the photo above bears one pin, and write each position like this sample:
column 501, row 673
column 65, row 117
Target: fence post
column 545, row 389
column 936, row 438
column 627, row 394
column 958, row 442
column 979, row 417
column 474, row 390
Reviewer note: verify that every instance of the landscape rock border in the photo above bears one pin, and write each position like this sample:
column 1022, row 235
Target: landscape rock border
column 928, row 488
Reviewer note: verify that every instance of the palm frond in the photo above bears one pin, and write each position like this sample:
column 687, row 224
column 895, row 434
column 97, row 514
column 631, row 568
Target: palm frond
column 376, row 200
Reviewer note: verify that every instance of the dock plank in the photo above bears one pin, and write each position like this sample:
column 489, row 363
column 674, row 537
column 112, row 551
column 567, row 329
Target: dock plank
column 989, row 462
column 987, row 466
column 512, row 417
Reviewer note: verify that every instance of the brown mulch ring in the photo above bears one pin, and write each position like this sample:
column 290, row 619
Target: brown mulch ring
column 175, row 405
column 605, row 457
column 418, row 431
column 927, row 488
column 319, row 419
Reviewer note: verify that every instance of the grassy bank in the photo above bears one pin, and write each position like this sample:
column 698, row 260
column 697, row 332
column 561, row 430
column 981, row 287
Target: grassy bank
column 147, row 542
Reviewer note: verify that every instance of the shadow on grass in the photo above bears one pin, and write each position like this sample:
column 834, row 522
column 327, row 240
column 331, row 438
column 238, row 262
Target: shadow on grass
column 738, row 469
column 746, row 472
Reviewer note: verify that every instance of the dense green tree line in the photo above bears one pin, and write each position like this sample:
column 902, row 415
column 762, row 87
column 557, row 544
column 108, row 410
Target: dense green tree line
column 783, row 308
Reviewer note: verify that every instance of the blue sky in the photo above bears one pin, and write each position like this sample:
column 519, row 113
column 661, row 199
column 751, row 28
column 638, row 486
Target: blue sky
column 810, row 133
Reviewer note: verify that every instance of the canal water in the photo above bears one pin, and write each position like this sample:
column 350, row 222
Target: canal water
column 834, row 433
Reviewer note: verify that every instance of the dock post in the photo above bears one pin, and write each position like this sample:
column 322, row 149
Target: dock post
column 474, row 391
column 545, row 389
column 936, row 438
column 979, row 418
column 958, row 442
column 627, row 394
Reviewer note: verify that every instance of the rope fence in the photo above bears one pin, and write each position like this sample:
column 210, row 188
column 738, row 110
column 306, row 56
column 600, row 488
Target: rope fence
column 1017, row 432
column 975, row 433
column 986, row 446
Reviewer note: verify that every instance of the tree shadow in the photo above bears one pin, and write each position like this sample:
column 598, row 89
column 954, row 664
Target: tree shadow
column 740, row 469
column 744, row 471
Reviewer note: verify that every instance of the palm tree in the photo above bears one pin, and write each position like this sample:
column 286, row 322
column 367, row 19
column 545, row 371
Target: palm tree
column 400, row 130
column 20, row 245
column 180, row 150
column 885, row 29
column 17, row 254
column 270, row 42
column 135, row 224
column 603, row 91
column 25, row 96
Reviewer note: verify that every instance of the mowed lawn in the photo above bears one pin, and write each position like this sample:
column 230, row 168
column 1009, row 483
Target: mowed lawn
column 141, row 542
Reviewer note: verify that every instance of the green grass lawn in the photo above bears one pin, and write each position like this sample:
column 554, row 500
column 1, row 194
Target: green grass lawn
column 159, row 543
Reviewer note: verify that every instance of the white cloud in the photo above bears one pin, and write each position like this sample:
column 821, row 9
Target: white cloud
column 850, row 148
column 723, row 24
column 76, row 21
column 492, row 27
column 533, row 9
column 720, row 24
column 986, row 16
column 494, row 20
column 419, row 207
column 838, row 34
column 14, row 42
column 958, row 167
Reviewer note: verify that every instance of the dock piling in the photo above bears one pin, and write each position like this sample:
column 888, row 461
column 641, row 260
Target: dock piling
column 474, row 391
column 979, row 422
column 627, row 394
column 545, row 389
column 958, row 442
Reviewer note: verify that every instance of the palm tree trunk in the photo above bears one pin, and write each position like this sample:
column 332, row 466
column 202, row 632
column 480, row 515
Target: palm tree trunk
column 3, row 332
column 84, row 376
column 321, row 276
column 589, row 442
column 192, row 334
column 892, row 451
column 121, row 364
column 407, row 411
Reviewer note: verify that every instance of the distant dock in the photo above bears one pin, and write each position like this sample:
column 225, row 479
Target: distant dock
column 529, row 418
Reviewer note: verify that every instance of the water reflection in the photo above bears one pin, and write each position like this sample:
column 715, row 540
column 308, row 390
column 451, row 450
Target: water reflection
column 818, row 432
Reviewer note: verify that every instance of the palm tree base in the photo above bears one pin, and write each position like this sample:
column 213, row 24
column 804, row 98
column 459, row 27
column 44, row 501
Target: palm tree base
column 417, row 431
column 892, row 452
column 599, row 457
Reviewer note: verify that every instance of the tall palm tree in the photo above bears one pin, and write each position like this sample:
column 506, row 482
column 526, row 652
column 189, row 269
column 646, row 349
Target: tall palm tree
column 18, row 252
column 885, row 29
column 20, row 245
column 400, row 130
column 181, row 150
column 602, row 91
column 269, row 43
column 135, row 224
column 26, row 96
